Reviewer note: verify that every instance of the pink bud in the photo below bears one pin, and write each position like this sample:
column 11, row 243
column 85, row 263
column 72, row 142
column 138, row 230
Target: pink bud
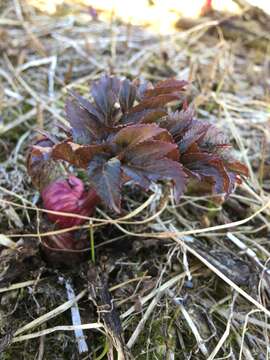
column 66, row 241
column 69, row 196
column 68, row 248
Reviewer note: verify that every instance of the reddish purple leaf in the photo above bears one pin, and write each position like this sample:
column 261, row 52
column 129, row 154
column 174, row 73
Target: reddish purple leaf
column 208, row 166
column 40, row 165
column 75, row 154
column 84, row 127
column 144, row 116
column 142, row 87
column 87, row 105
column 127, row 95
column 137, row 175
column 194, row 134
column 178, row 123
column 135, row 134
column 154, row 102
column 154, row 150
column 166, row 87
column 214, row 139
column 169, row 83
column 105, row 177
column 237, row 167
column 163, row 169
column 105, row 93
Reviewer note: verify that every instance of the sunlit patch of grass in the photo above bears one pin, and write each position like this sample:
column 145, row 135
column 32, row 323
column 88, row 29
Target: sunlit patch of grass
column 158, row 15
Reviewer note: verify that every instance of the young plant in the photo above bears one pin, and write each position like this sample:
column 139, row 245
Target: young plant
column 126, row 133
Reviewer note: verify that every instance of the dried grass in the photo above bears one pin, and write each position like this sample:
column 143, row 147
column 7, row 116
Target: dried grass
column 177, row 284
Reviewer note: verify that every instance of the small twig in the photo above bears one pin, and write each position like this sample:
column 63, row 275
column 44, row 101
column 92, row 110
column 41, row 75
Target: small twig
column 244, row 331
column 250, row 253
column 76, row 319
column 21, row 119
column 92, row 241
column 51, row 75
column 143, row 320
column 19, row 285
column 35, row 62
column 225, row 334
column 41, row 347
column 220, row 274
column 34, row 95
column 190, row 323
column 56, row 328
column 171, row 282
column 51, row 314
column 80, row 51
column 246, row 351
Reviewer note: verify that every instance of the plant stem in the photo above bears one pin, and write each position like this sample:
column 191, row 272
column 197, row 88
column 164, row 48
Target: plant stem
column 92, row 242
column 104, row 351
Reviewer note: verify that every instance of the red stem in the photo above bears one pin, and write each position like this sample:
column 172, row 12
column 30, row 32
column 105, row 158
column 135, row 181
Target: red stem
column 92, row 199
